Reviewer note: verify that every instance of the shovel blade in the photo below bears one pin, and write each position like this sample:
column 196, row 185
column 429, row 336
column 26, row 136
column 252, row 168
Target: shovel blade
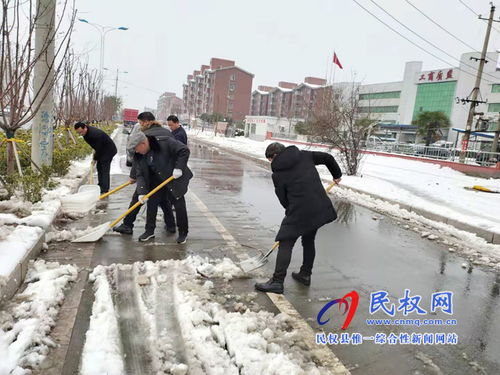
column 95, row 235
column 253, row 263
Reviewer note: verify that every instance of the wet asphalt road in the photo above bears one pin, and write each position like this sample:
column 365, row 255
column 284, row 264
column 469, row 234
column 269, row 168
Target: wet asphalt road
column 354, row 253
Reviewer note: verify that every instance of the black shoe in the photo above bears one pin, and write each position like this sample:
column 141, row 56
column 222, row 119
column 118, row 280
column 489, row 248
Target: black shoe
column 123, row 229
column 170, row 229
column 301, row 278
column 270, row 286
column 182, row 237
column 146, row 236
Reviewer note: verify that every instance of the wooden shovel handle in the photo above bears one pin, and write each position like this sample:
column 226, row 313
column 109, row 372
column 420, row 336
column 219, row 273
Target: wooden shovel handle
column 114, row 190
column 139, row 203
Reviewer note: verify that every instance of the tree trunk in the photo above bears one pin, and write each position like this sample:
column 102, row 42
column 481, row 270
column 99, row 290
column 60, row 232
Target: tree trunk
column 11, row 158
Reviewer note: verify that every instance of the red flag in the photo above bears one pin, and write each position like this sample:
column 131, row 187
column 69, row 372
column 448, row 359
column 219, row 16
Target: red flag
column 337, row 61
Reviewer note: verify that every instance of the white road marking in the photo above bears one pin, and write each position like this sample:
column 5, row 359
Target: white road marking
column 325, row 356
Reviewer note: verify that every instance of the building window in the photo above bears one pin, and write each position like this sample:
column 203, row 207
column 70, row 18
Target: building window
column 495, row 87
column 494, row 107
column 379, row 109
column 435, row 97
column 380, row 95
column 233, row 77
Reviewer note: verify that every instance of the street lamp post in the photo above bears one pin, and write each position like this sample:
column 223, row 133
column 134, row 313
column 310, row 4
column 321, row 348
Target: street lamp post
column 103, row 30
column 116, row 80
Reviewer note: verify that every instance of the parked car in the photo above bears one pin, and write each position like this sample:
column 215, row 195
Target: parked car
column 432, row 151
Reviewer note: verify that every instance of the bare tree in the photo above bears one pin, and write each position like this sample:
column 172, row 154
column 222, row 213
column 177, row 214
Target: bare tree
column 79, row 94
column 338, row 120
column 19, row 102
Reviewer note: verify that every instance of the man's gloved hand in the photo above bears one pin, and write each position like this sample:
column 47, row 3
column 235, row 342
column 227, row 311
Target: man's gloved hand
column 132, row 180
column 177, row 173
column 337, row 180
column 142, row 199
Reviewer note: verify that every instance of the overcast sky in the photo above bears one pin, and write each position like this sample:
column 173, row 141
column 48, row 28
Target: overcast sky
column 276, row 40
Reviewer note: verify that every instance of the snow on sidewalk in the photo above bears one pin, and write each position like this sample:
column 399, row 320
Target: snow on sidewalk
column 186, row 325
column 26, row 321
column 23, row 223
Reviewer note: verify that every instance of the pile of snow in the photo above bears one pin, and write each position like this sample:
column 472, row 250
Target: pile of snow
column 66, row 234
column 26, row 322
column 102, row 351
column 185, row 329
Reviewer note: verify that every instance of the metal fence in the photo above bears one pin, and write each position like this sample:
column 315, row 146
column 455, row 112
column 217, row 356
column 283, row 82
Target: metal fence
column 474, row 157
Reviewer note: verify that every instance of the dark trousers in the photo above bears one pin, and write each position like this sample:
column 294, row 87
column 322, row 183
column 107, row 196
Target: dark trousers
column 180, row 212
column 103, row 167
column 165, row 206
column 285, row 255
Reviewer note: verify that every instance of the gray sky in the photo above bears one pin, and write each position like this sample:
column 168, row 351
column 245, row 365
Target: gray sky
column 276, row 40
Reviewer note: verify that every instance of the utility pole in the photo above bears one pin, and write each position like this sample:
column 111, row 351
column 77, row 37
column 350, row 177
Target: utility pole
column 116, row 85
column 475, row 91
column 43, row 122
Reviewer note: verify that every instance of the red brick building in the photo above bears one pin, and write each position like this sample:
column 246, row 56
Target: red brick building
column 168, row 104
column 289, row 100
column 221, row 87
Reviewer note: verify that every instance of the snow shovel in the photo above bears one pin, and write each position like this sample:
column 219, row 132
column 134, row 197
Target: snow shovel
column 99, row 231
column 115, row 190
column 485, row 189
column 260, row 260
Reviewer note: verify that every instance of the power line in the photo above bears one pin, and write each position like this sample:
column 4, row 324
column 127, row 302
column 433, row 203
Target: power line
column 476, row 14
column 468, row 7
column 441, row 27
column 427, row 41
column 139, row 87
column 411, row 41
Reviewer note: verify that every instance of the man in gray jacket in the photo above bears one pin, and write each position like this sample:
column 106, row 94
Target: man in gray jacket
column 158, row 158
column 149, row 126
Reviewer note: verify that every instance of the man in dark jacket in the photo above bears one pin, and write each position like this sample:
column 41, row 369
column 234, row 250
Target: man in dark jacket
column 104, row 151
column 307, row 207
column 157, row 159
column 149, row 126
column 177, row 130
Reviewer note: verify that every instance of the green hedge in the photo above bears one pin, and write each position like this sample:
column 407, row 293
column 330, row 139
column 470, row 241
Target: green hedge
column 32, row 182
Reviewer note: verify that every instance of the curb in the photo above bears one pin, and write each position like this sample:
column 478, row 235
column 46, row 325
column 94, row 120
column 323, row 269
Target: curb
column 17, row 276
column 489, row 236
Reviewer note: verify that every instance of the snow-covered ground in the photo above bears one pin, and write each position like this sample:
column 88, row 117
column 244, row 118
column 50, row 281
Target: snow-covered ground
column 185, row 323
column 26, row 321
column 426, row 186
column 22, row 223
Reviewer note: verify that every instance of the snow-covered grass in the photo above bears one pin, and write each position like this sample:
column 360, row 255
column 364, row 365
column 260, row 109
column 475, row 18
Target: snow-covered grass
column 210, row 337
column 26, row 321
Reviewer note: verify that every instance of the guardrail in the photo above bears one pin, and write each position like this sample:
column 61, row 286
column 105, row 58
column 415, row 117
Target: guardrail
column 473, row 157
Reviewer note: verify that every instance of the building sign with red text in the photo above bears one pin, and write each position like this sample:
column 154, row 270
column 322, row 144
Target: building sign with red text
column 441, row 75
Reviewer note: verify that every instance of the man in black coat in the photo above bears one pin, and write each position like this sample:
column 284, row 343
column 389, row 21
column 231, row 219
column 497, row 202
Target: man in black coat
column 177, row 130
column 158, row 158
column 307, row 207
column 149, row 126
column 104, row 151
